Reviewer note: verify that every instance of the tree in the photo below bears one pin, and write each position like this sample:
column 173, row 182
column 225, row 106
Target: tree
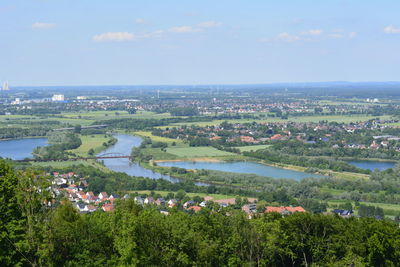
column 12, row 221
column 77, row 129
column 91, row 152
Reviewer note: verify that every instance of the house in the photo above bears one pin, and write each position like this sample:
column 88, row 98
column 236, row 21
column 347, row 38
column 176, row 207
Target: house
column 276, row 137
column 81, row 207
column 126, row 196
column 103, row 196
column 215, row 138
column 149, row 201
column 113, row 197
column 343, row 213
column 91, row 208
column 284, row 210
column 295, row 209
column 160, row 202
column 223, row 204
column 172, row 203
column 107, row 207
column 246, row 139
column 60, row 181
column 203, row 204
column 139, row 200
column 187, row 204
column 195, row 208
column 250, row 208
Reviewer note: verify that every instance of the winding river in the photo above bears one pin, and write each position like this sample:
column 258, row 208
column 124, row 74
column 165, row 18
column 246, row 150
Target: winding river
column 126, row 142
column 22, row 148
column 124, row 146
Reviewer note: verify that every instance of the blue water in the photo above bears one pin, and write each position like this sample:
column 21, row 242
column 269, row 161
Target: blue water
column 241, row 167
column 124, row 146
column 372, row 165
column 18, row 149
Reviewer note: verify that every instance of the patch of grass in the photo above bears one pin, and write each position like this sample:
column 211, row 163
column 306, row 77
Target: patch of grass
column 158, row 154
column 64, row 164
column 249, row 148
column 155, row 138
column 192, row 152
column 94, row 142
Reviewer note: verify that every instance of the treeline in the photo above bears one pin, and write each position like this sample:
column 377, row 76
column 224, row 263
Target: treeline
column 16, row 132
column 35, row 234
column 325, row 149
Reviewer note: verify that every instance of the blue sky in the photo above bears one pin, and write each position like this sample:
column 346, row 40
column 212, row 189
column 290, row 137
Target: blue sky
column 104, row 42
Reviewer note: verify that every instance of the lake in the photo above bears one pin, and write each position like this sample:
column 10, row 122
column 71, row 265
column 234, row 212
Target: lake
column 372, row 165
column 241, row 167
column 18, row 149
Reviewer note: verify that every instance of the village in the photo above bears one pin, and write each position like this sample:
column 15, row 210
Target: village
column 69, row 186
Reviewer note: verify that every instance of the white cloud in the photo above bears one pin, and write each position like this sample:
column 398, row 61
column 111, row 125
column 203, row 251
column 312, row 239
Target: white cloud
column 286, row 37
column 42, row 26
column 209, row 24
column 391, row 29
column 336, row 35
column 183, row 29
column 140, row 21
column 114, row 37
column 312, row 32
column 352, row 35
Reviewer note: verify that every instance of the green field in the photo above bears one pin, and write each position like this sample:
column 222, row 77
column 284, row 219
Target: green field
column 93, row 141
column 250, row 148
column 193, row 152
column 155, row 138
column 65, row 164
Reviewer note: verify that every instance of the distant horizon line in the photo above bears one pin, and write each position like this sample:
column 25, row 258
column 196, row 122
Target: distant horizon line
column 211, row 84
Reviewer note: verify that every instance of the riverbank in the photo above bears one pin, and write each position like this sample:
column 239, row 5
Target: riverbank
column 25, row 137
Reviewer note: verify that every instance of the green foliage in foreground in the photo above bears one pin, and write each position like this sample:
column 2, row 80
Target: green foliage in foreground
column 31, row 234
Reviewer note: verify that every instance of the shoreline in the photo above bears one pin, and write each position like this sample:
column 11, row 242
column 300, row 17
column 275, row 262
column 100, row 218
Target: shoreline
column 25, row 137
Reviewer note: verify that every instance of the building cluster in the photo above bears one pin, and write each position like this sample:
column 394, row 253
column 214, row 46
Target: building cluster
column 335, row 135
column 74, row 189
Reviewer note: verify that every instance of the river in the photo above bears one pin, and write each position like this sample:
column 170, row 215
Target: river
column 18, row 149
column 124, row 146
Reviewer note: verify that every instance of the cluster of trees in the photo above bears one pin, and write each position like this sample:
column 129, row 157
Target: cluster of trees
column 60, row 142
column 32, row 233
column 16, row 132
column 370, row 211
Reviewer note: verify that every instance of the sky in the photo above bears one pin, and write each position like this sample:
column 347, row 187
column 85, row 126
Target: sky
column 133, row 42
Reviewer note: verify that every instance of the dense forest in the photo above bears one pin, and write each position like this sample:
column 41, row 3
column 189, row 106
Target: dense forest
column 34, row 234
